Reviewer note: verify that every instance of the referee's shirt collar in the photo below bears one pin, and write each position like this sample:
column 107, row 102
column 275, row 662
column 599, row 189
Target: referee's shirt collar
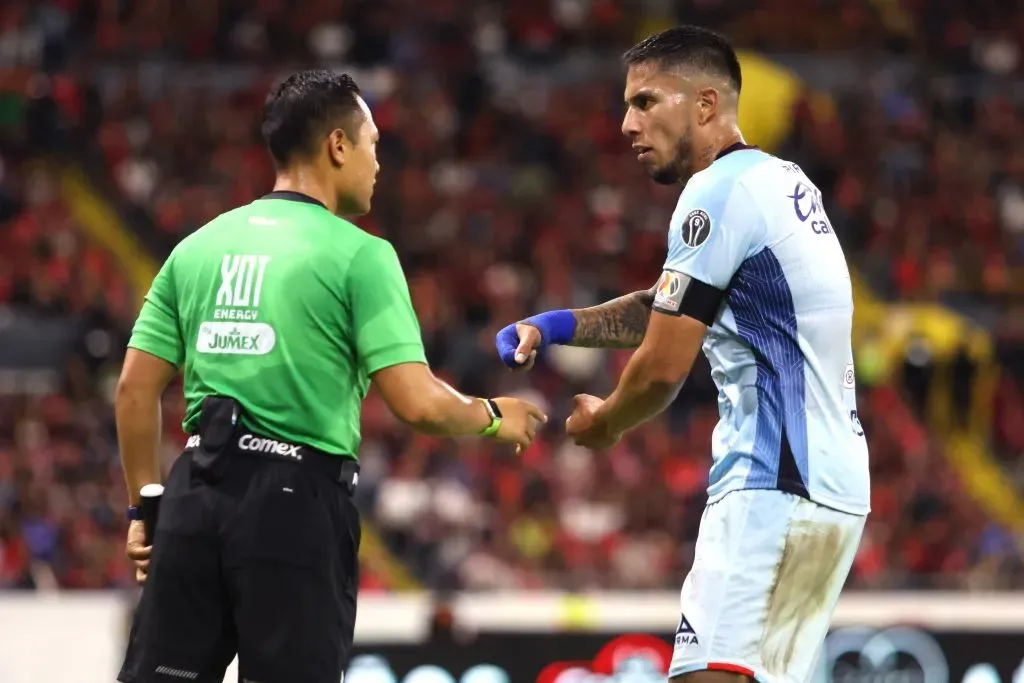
column 293, row 197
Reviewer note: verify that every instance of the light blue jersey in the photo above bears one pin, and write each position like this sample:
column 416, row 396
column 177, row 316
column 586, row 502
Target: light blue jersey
column 753, row 226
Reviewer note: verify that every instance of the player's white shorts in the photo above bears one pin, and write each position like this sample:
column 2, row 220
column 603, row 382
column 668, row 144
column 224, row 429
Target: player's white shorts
column 766, row 577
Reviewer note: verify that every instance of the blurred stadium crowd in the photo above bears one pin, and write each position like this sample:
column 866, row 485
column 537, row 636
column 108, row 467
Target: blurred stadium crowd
column 507, row 189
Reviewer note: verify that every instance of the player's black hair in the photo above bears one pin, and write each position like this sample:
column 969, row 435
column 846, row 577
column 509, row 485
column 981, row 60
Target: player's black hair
column 691, row 46
column 306, row 106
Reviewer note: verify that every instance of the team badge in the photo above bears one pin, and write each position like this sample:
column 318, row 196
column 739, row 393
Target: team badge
column 696, row 228
column 669, row 292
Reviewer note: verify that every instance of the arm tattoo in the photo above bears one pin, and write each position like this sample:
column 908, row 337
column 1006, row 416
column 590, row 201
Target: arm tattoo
column 617, row 324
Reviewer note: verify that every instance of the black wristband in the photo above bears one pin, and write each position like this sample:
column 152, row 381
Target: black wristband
column 492, row 406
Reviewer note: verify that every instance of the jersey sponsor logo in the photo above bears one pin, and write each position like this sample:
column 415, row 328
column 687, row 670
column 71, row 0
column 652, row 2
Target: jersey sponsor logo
column 806, row 201
column 236, row 338
column 808, row 204
column 193, row 442
column 669, row 293
column 849, row 377
column 254, row 443
column 685, row 635
column 821, row 227
column 241, row 280
column 696, row 228
column 236, row 314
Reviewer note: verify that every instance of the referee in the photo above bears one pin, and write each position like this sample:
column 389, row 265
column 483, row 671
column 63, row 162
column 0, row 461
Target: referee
column 282, row 315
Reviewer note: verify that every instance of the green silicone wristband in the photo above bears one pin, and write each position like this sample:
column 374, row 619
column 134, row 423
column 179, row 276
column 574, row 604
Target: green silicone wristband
column 495, row 425
column 492, row 428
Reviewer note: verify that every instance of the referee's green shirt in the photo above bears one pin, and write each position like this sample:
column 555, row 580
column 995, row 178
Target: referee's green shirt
column 287, row 308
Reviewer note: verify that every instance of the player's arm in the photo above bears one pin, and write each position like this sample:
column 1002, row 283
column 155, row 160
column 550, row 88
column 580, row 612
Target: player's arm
column 390, row 348
column 616, row 324
column 657, row 370
column 711, row 234
column 155, row 353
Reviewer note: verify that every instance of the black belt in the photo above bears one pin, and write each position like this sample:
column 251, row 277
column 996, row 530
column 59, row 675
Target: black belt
column 338, row 468
column 222, row 434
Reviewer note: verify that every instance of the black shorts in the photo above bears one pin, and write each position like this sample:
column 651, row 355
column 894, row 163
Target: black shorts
column 261, row 561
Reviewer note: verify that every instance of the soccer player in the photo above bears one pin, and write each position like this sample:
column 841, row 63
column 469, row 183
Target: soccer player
column 282, row 315
column 755, row 274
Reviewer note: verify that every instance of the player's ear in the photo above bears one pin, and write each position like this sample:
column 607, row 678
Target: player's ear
column 707, row 104
column 338, row 146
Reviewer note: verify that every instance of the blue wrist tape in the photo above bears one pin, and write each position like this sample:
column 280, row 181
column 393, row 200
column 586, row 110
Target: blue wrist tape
column 556, row 327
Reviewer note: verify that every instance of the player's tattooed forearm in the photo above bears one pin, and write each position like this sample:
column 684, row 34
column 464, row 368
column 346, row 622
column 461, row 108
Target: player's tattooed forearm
column 617, row 324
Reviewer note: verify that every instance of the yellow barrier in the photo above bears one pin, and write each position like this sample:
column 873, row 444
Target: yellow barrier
column 769, row 94
column 102, row 224
column 375, row 555
column 888, row 328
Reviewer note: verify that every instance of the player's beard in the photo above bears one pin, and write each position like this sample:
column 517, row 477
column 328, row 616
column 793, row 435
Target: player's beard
column 677, row 170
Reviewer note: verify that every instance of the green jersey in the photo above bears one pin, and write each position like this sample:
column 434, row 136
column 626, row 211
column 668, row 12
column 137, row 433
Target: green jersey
column 288, row 309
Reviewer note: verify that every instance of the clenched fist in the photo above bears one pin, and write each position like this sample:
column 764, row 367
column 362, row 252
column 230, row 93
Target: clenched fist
column 137, row 550
column 518, row 345
column 585, row 429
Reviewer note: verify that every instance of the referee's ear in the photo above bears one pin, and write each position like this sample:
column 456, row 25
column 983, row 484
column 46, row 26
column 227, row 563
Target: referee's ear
column 338, row 147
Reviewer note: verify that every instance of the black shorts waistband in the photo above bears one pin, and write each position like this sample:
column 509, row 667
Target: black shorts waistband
column 338, row 468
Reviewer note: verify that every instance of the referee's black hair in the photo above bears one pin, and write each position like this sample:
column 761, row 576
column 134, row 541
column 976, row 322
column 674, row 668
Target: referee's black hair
column 691, row 46
column 305, row 107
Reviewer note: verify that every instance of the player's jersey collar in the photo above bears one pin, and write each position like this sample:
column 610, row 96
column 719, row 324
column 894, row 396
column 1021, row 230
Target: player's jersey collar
column 293, row 197
column 735, row 148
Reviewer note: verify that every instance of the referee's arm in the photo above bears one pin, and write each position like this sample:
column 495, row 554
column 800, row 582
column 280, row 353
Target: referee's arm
column 155, row 353
column 390, row 347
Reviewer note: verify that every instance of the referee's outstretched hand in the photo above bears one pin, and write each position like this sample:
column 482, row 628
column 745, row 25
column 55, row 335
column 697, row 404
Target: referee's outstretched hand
column 137, row 550
column 519, row 420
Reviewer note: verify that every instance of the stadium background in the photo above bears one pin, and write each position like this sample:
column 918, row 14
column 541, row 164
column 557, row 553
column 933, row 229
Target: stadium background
column 507, row 188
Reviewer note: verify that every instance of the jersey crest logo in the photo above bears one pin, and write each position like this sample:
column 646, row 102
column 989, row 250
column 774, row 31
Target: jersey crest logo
column 696, row 228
